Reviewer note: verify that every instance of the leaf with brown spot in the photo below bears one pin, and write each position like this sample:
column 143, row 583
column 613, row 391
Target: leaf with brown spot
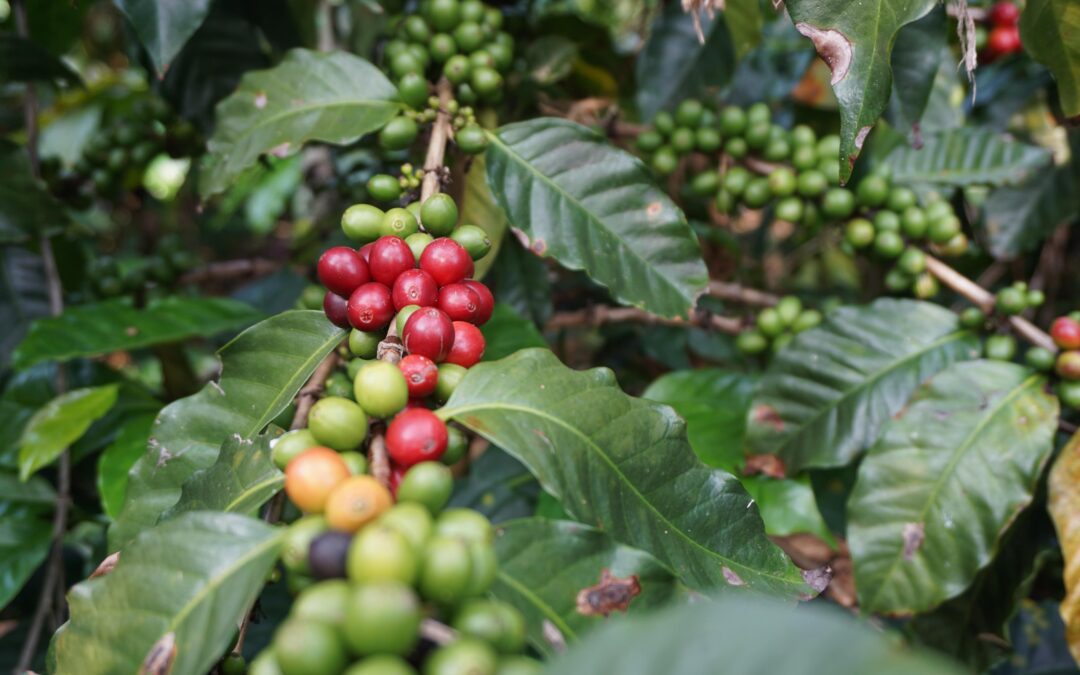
column 935, row 495
column 609, row 595
column 160, row 659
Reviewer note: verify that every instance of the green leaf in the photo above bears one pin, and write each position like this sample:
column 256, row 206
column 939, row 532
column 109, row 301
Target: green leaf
column 624, row 465
column 826, row 396
column 23, row 60
column 520, row 280
column 480, row 209
column 714, row 404
column 498, row 486
column 117, row 459
column 35, row 493
column 24, row 543
column 190, row 579
column 974, row 626
column 1050, row 31
column 788, row 506
column 1019, row 218
column 544, row 564
column 261, row 371
column 745, row 636
column 1064, row 507
column 745, row 23
column 916, row 57
column 241, row 480
column 27, row 210
column 855, row 40
column 966, row 156
column 674, row 64
column 163, row 26
column 23, row 295
column 114, row 325
column 594, row 207
column 507, row 332
column 550, row 59
column 309, row 96
column 59, row 424
column 950, row 472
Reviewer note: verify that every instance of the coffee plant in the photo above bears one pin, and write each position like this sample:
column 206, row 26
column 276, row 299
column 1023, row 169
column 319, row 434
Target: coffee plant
column 440, row 337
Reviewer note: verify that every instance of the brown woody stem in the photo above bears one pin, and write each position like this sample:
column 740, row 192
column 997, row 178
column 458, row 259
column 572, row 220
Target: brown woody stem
column 602, row 314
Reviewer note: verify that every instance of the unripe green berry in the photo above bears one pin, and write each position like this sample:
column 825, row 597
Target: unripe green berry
column 381, row 389
column 362, row 222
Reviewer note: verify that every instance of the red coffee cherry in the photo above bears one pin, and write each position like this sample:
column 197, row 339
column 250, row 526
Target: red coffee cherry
column 370, row 307
column 336, row 309
column 1003, row 40
column 428, row 332
column 415, row 287
column 459, row 302
column 1005, row 14
column 446, row 261
column 341, row 270
column 416, row 436
column 421, row 374
column 1065, row 331
column 468, row 347
column 390, row 257
column 487, row 301
column 365, row 252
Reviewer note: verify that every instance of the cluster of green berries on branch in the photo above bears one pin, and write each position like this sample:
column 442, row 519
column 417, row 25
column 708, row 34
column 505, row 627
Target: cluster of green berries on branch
column 459, row 40
column 118, row 155
column 112, row 276
column 776, row 326
column 370, row 564
column 741, row 159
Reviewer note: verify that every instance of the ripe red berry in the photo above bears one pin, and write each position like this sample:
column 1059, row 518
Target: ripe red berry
column 390, row 257
column 1068, row 365
column 416, row 436
column 459, row 302
column 1005, row 14
column 365, row 251
column 1003, row 40
column 446, row 261
column 468, row 347
column 428, row 332
column 1066, row 333
column 415, row 287
column 370, row 307
column 421, row 374
column 487, row 301
column 336, row 309
column 417, row 404
column 341, row 270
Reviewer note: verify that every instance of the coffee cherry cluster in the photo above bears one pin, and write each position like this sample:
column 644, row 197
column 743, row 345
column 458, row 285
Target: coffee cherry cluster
column 460, row 40
column 113, row 276
column 776, row 326
column 1004, row 34
column 798, row 174
column 1018, row 298
column 369, row 566
column 1066, row 333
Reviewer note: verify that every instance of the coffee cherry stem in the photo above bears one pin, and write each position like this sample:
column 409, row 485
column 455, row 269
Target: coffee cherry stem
column 732, row 292
column 440, row 134
column 985, row 301
column 378, row 459
column 437, row 632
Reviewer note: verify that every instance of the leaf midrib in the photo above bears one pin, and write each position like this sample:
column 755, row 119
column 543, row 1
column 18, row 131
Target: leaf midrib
column 940, row 342
column 508, row 151
column 462, row 410
column 950, row 468
column 545, row 609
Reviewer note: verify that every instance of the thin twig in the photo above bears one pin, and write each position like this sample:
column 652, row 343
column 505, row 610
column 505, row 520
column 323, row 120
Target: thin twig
column 228, row 270
column 741, row 294
column 437, row 632
column 440, row 134
column 985, row 301
column 602, row 314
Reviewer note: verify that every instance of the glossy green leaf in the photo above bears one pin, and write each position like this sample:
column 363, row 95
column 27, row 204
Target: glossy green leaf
column 624, row 465
column 744, row 636
column 745, row 23
column 521, row 280
column 35, row 493
column 856, row 40
column 1018, row 219
column 164, row 26
column 27, row 210
column 916, row 57
column 184, row 583
column 935, row 494
column 498, row 486
column 310, row 96
column 262, row 369
column 24, row 542
column 544, row 564
column 117, row 459
column 23, row 60
column 240, row 481
column 115, row 325
column 594, row 207
column 59, row 424
column 1050, row 31
column 507, row 331
column 788, row 506
column 714, row 404
column 966, row 156
column 826, row 396
column 674, row 64
column 479, row 208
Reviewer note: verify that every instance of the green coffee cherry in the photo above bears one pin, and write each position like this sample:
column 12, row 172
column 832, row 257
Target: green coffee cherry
column 859, row 232
column 736, row 179
column 649, row 141
column 439, row 214
column 664, row 122
column 751, row 342
column 733, row 121
column 708, row 140
column 381, row 390
column 769, row 323
column 417, row 242
column 428, row 484
column 689, row 112
column 362, row 222
column 973, row 318
column 736, row 147
column 806, row 320
column 382, row 618
column 782, row 182
column 926, row 286
column 888, row 244
column 305, row 647
column 705, row 183
column 1040, row 359
column 682, row 140
column 788, row 310
column 838, row 203
column 943, row 229
column 291, row 444
column 446, row 570
column 812, row 184
column 399, row 223
column 1001, row 347
column 471, row 139
column 456, row 446
column 912, row 261
column 384, row 187
column 898, row 281
column 380, row 553
column 872, row 191
column 364, row 345
column 757, row 193
column 1011, row 301
column 789, row 209
column 473, row 239
column 338, row 423
column 413, row 521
